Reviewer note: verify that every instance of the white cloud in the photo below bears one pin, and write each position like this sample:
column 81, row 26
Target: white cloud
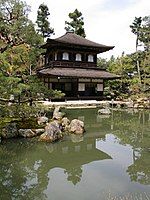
column 102, row 25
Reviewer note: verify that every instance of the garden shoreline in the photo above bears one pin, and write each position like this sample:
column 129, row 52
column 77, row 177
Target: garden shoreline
column 139, row 103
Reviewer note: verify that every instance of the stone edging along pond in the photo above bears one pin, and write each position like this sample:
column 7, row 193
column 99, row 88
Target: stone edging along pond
column 54, row 129
column 139, row 103
column 50, row 130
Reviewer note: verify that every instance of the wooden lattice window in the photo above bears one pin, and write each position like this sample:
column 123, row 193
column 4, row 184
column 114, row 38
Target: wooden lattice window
column 78, row 57
column 65, row 56
column 90, row 58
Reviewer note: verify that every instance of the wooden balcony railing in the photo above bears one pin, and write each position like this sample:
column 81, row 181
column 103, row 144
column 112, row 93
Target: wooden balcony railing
column 71, row 64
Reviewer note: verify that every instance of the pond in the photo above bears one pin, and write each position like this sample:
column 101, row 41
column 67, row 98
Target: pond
column 110, row 162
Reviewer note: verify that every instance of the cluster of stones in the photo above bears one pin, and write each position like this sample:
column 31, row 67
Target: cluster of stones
column 54, row 129
column 143, row 103
column 11, row 131
column 59, row 125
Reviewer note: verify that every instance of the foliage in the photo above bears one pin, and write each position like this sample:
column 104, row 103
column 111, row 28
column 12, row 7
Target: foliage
column 14, row 22
column 144, row 35
column 134, row 69
column 102, row 63
column 141, row 28
column 42, row 21
column 19, row 54
column 135, row 28
column 76, row 24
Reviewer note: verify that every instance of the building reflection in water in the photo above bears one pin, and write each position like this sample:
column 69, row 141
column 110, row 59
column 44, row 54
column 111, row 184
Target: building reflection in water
column 72, row 156
column 26, row 165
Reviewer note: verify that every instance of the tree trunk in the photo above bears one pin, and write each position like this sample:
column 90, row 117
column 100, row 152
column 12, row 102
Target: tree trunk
column 137, row 62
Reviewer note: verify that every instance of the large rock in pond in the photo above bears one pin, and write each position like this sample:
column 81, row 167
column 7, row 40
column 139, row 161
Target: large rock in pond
column 10, row 130
column 65, row 123
column 42, row 120
column 29, row 133
column 104, row 111
column 76, row 126
column 57, row 114
column 52, row 132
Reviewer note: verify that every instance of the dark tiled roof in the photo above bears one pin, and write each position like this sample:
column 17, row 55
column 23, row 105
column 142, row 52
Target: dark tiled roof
column 77, row 73
column 73, row 39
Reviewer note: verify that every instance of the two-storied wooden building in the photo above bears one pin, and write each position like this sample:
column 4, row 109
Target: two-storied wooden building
column 71, row 66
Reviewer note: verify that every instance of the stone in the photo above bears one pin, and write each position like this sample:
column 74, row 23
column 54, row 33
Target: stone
column 52, row 132
column 136, row 105
column 57, row 114
column 104, row 111
column 42, row 120
column 130, row 104
column 65, row 123
column 76, row 126
column 29, row 133
column 10, row 130
column 39, row 131
column 139, row 100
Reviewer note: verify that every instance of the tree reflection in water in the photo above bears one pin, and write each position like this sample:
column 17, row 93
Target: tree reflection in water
column 133, row 129
column 25, row 164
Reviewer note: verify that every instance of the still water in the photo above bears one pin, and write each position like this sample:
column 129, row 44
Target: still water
column 110, row 162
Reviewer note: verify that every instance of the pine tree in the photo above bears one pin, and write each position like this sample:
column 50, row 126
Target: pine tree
column 77, row 23
column 42, row 21
column 136, row 29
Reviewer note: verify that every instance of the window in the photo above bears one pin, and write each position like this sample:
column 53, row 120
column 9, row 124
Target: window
column 81, row 87
column 78, row 57
column 99, row 87
column 55, row 56
column 65, row 56
column 90, row 58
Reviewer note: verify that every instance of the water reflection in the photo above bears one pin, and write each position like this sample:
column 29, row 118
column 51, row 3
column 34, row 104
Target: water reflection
column 25, row 166
column 72, row 156
column 139, row 171
column 114, row 151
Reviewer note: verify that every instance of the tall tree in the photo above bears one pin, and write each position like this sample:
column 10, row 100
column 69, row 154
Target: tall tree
column 145, row 32
column 136, row 29
column 19, row 49
column 145, row 62
column 141, row 28
column 42, row 21
column 13, row 23
column 76, row 24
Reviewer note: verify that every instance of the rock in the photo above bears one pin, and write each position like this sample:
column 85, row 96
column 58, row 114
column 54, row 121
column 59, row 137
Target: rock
column 57, row 114
column 29, row 133
column 52, row 132
column 65, row 123
column 139, row 100
column 104, row 111
column 39, row 131
column 42, row 120
column 76, row 126
column 10, row 130
column 130, row 104
column 136, row 105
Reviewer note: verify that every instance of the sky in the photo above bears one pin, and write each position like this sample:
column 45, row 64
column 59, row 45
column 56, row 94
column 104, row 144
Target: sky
column 106, row 21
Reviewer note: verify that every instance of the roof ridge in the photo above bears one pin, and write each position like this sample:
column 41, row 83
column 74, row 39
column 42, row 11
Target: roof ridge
column 73, row 38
